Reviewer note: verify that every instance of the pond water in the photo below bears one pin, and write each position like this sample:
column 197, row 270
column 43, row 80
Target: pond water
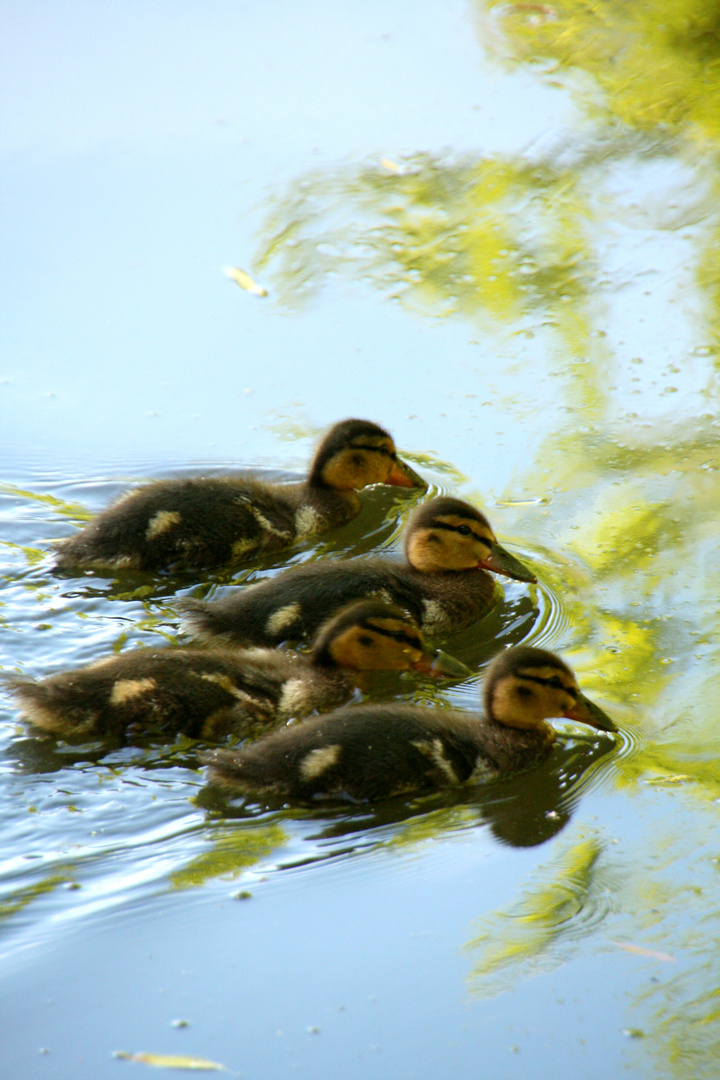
column 494, row 229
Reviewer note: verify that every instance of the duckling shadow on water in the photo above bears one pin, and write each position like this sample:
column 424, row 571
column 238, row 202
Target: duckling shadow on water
column 36, row 754
column 510, row 622
column 521, row 811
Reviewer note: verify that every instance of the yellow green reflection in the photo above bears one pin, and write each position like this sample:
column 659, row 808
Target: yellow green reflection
column 656, row 61
column 528, row 935
column 490, row 236
column 232, row 850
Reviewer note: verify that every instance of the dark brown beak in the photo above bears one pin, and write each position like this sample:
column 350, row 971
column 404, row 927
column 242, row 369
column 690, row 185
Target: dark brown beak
column 587, row 712
column 403, row 476
column 441, row 665
column 501, row 561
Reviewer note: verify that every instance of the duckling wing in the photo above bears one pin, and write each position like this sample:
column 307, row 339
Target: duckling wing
column 156, row 692
column 202, row 521
column 293, row 605
column 366, row 752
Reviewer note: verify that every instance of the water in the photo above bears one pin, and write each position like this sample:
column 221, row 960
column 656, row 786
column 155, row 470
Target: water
column 477, row 230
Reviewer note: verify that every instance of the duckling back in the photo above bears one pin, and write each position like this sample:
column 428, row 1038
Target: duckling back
column 211, row 521
column 160, row 692
column 201, row 521
column 374, row 751
column 293, row 604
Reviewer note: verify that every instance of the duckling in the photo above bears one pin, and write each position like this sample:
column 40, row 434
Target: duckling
column 207, row 694
column 449, row 545
column 374, row 751
column 207, row 521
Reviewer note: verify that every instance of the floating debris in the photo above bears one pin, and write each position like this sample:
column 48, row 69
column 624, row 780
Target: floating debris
column 172, row 1061
column 245, row 281
column 654, row 954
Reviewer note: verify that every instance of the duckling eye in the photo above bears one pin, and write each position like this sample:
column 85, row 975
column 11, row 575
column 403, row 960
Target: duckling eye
column 464, row 530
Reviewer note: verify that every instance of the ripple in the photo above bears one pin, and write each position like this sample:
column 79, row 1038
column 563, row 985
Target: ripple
column 565, row 902
column 552, row 626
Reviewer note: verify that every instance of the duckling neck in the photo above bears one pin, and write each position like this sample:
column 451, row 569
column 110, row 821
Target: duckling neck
column 316, row 686
column 455, row 597
column 512, row 749
column 330, row 500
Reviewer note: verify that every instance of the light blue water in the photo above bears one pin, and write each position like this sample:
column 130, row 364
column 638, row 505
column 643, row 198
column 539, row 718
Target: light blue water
column 144, row 146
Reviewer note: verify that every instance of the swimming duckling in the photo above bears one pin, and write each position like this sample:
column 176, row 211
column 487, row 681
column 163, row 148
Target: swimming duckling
column 448, row 545
column 373, row 751
column 208, row 521
column 207, row 694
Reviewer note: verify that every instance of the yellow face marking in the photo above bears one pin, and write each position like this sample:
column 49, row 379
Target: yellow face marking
column 519, row 702
column 282, row 618
column 318, row 761
column 374, row 646
column 364, row 461
column 553, row 674
column 161, row 522
column 126, row 689
column 449, row 542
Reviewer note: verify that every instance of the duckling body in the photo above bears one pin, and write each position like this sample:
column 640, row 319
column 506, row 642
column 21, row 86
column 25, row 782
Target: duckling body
column 210, row 693
column 443, row 583
column 211, row 521
column 374, row 751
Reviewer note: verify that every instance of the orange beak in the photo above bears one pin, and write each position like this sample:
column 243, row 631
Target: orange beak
column 403, row 476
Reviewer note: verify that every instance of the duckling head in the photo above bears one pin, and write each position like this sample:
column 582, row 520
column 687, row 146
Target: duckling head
column 525, row 687
column 448, row 534
column 357, row 453
column 371, row 635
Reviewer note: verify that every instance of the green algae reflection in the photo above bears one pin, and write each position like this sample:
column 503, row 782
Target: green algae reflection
column 487, row 236
column 529, row 936
column 232, row 850
column 656, row 62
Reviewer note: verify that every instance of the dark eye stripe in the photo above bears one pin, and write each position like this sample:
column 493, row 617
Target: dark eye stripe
column 461, row 530
column 374, row 449
column 555, row 682
column 396, row 635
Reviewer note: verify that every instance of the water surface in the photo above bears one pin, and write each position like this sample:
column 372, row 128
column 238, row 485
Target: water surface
column 492, row 228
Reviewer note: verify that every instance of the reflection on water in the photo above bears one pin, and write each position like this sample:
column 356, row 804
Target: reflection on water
column 571, row 897
column 583, row 267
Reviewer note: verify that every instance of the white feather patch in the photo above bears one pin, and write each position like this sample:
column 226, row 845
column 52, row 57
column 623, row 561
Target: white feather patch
column 282, row 618
column 126, row 689
column 434, row 618
column 307, row 522
column 435, row 750
column 268, row 527
column 482, row 770
column 293, row 699
column 317, row 761
column 242, row 547
column 161, row 522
